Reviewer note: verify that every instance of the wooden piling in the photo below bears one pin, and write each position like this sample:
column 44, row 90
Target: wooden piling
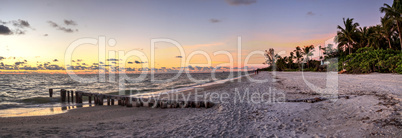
column 128, row 104
column 95, row 99
column 78, row 96
column 209, row 104
column 123, row 101
column 100, row 99
column 63, row 95
column 129, row 101
column 72, row 96
column 90, row 99
column 50, row 93
column 162, row 104
column 68, row 96
column 197, row 104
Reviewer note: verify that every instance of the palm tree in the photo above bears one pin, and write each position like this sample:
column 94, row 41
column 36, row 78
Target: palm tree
column 291, row 57
column 346, row 36
column 365, row 36
column 308, row 51
column 387, row 30
column 394, row 13
column 299, row 55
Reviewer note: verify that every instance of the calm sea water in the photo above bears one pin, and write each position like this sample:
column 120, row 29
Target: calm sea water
column 31, row 90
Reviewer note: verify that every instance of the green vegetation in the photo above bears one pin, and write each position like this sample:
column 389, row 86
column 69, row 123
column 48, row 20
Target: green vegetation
column 360, row 49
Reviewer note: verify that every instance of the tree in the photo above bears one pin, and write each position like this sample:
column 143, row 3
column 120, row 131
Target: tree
column 269, row 57
column 299, row 55
column 329, row 52
column 308, row 51
column 346, row 36
column 394, row 13
column 290, row 59
column 386, row 30
column 366, row 35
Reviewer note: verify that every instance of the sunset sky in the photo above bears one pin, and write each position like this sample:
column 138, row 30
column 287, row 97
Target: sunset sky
column 41, row 31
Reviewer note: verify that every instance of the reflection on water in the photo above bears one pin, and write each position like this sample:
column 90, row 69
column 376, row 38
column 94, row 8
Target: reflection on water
column 40, row 111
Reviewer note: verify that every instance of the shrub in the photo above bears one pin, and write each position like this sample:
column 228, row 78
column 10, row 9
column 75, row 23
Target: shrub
column 367, row 60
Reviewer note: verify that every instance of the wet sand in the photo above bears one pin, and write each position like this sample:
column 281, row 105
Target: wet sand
column 372, row 110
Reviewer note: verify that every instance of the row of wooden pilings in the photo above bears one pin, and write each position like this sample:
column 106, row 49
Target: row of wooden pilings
column 124, row 100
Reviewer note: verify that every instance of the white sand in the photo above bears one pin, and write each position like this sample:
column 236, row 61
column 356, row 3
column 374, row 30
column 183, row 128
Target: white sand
column 373, row 110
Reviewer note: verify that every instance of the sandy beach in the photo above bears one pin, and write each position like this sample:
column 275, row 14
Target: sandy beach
column 372, row 109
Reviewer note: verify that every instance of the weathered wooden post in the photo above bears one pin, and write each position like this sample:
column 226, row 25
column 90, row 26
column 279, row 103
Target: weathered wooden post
column 68, row 96
column 100, row 99
column 197, row 104
column 209, row 104
column 63, row 95
column 90, row 99
column 72, row 96
column 95, row 99
column 112, row 101
column 162, row 104
column 123, row 101
column 50, row 93
column 136, row 102
column 78, row 97
column 108, row 100
column 128, row 104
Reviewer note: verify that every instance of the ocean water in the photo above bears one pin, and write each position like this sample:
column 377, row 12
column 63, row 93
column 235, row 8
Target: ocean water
column 28, row 94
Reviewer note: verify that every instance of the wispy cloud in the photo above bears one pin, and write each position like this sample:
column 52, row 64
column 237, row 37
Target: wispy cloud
column 67, row 30
column 138, row 62
column 310, row 13
column 19, row 27
column 21, row 23
column 215, row 20
column 70, row 22
column 240, row 2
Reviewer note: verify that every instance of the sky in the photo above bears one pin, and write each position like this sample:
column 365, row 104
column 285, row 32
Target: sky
column 40, row 32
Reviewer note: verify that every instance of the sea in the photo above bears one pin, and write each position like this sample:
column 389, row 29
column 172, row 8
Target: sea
column 28, row 94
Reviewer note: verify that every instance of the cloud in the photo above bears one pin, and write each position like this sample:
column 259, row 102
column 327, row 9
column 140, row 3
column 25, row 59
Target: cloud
column 70, row 22
column 45, row 35
column 138, row 62
column 112, row 59
column 4, row 30
column 310, row 13
column 21, row 23
column 18, row 63
column 215, row 20
column 240, row 2
column 19, row 27
column 67, row 30
column 179, row 56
